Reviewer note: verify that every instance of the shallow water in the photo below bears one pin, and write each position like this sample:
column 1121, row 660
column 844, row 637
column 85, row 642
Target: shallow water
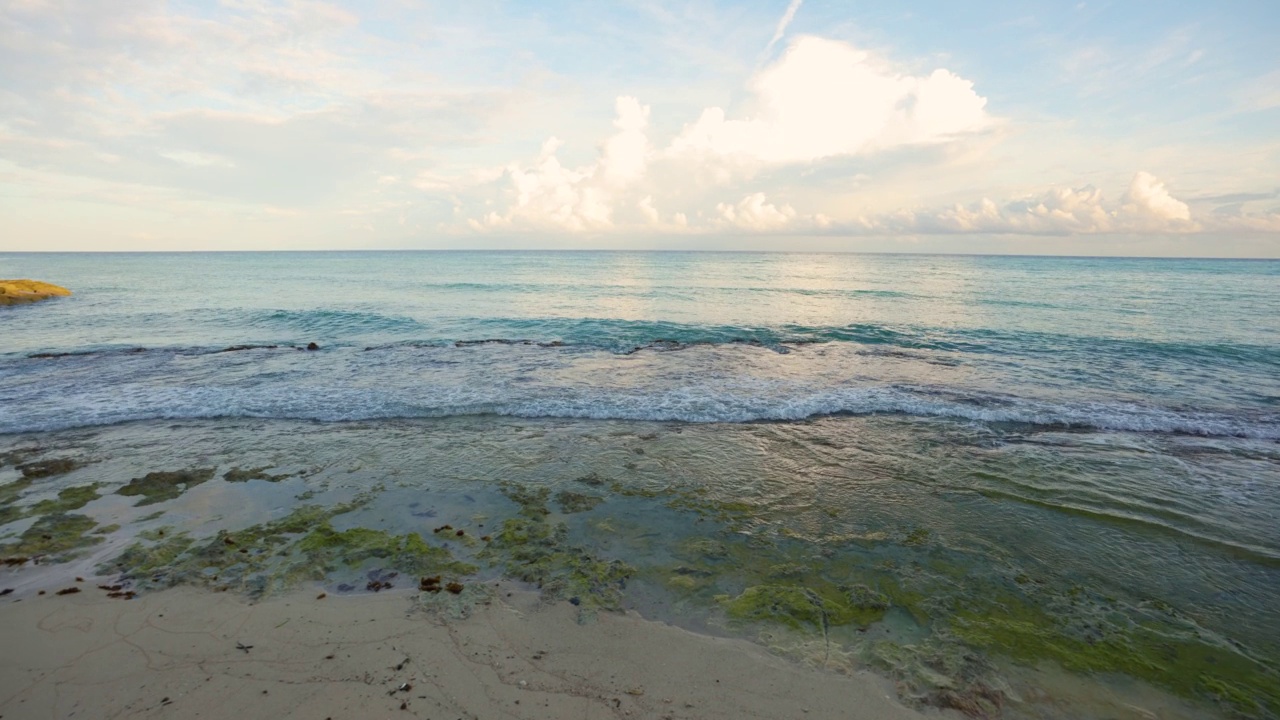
column 1042, row 487
column 951, row 523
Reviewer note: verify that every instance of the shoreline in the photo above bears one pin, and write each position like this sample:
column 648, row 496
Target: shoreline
column 253, row 513
column 181, row 652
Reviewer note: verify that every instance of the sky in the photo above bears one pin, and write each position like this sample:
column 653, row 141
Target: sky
column 1032, row 127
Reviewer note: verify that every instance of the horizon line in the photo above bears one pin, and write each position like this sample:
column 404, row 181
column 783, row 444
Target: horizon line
column 637, row 251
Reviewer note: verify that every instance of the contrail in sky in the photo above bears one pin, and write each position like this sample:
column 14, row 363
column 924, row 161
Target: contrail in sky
column 787, row 17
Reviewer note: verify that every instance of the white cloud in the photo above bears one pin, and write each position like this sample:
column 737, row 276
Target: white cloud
column 755, row 213
column 1146, row 208
column 196, row 159
column 826, row 98
column 626, row 154
column 1149, row 203
column 548, row 195
column 822, row 99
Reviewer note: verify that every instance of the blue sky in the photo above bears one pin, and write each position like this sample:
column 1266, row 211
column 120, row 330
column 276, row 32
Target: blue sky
column 1031, row 127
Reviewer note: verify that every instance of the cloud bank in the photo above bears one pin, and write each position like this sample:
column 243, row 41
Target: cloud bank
column 326, row 123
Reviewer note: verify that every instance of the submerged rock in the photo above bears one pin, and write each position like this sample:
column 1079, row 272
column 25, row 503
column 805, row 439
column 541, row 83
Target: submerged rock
column 238, row 475
column 157, row 487
column 48, row 468
column 15, row 292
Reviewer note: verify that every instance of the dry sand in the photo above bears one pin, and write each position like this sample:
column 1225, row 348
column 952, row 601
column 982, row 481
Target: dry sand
column 174, row 654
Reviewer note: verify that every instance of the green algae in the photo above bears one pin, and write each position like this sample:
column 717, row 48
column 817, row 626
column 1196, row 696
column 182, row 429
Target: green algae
column 1102, row 639
column 277, row 555
column 237, row 475
column 55, row 538
column 532, row 501
column 149, row 560
column 797, row 606
column 533, row 550
column 72, row 498
column 917, row 537
column 330, row 549
column 572, row 502
column 536, row 551
column 704, row 548
column 156, row 487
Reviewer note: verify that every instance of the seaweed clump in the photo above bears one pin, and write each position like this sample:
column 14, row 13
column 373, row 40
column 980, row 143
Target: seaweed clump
column 572, row 502
column 155, row 487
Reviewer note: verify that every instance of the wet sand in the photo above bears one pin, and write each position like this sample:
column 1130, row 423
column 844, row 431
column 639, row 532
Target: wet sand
column 187, row 653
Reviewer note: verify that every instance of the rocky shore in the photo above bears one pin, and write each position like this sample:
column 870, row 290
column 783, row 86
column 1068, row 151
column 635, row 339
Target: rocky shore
column 17, row 292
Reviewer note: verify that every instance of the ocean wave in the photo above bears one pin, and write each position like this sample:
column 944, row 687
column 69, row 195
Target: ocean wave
column 629, row 336
column 709, row 402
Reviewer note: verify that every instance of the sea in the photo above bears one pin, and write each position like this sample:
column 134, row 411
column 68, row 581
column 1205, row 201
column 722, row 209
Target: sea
column 1015, row 486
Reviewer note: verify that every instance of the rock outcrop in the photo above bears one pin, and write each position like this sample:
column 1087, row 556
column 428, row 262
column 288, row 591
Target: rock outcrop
column 14, row 292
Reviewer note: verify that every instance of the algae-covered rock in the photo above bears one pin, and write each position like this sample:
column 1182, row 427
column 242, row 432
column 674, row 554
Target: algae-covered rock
column 143, row 561
column 536, row 551
column 704, row 548
column 787, row 604
column 276, row 555
column 48, row 468
column 72, row 498
column 409, row 553
column 15, row 292
column 9, row 495
column 532, row 501
column 55, row 537
column 155, row 487
column 572, row 502
column 865, row 599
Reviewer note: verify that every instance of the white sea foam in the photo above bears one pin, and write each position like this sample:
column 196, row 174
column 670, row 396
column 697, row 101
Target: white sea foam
column 734, row 402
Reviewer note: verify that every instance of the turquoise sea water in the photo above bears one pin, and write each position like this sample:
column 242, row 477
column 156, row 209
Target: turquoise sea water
column 1187, row 346
column 1047, row 468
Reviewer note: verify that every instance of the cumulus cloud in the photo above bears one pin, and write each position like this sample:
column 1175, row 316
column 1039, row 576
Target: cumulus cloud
column 826, row 98
column 547, row 195
column 822, row 99
column 755, row 213
column 1147, row 207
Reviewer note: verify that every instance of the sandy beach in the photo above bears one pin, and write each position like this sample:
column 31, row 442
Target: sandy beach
column 186, row 653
